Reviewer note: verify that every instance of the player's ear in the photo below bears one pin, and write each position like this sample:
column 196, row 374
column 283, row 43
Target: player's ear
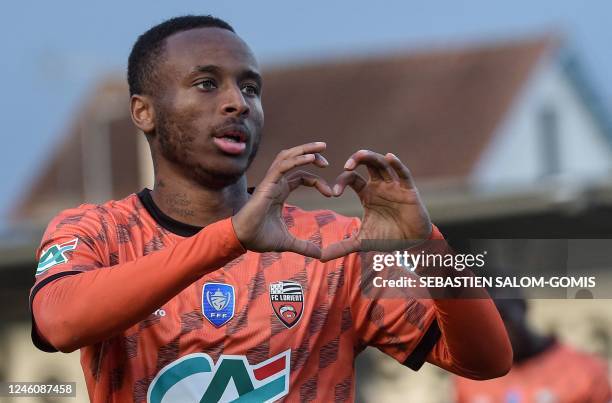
column 143, row 112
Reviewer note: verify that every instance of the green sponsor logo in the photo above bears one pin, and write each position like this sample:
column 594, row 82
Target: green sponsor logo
column 194, row 379
column 54, row 255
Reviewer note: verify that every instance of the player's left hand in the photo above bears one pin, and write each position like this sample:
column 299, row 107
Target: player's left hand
column 392, row 208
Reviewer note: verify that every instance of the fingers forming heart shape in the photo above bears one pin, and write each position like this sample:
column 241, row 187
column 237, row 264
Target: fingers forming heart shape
column 387, row 168
column 392, row 207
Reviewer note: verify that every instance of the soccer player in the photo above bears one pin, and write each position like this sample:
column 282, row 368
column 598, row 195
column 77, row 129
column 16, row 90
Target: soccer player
column 199, row 291
column 545, row 370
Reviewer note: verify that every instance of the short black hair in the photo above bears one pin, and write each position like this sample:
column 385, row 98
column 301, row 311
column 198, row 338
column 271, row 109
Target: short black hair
column 150, row 45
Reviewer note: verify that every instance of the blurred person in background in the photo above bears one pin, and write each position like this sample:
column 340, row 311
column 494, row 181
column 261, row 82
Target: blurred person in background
column 545, row 370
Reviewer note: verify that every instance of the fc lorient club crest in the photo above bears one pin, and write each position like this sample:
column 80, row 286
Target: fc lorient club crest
column 287, row 298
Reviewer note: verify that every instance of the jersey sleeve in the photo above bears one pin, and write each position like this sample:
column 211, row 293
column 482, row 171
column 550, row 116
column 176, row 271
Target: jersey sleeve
column 396, row 321
column 74, row 242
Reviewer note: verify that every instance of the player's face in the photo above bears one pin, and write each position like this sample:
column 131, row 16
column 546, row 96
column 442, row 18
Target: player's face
column 208, row 114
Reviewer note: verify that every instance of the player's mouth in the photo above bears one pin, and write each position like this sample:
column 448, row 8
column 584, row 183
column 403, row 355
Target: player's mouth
column 231, row 140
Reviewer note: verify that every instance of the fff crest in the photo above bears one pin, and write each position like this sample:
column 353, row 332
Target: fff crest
column 218, row 303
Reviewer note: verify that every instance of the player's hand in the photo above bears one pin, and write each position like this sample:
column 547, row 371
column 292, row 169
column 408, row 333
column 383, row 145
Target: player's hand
column 259, row 225
column 392, row 208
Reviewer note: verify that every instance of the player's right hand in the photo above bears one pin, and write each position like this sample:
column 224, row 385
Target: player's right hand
column 259, row 225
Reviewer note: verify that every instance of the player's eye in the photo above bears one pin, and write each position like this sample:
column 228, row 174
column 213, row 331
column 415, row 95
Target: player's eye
column 251, row 89
column 206, row 84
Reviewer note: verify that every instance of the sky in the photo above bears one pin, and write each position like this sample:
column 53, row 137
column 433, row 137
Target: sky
column 54, row 52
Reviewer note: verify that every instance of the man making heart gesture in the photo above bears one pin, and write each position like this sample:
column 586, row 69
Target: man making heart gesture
column 199, row 291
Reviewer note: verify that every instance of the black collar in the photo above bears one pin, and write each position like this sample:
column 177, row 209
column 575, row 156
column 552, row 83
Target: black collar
column 167, row 222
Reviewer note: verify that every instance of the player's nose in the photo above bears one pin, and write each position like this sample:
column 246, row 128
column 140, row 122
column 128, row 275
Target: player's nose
column 234, row 103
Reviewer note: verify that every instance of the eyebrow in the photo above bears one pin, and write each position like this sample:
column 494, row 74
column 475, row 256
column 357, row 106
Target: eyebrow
column 211, row 68
column 253, row 75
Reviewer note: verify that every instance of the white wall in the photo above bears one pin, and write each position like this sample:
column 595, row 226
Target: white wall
column 514, row 155
column 27, row 364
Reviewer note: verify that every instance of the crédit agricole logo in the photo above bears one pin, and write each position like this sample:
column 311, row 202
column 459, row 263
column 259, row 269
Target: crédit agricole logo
column 194, row 378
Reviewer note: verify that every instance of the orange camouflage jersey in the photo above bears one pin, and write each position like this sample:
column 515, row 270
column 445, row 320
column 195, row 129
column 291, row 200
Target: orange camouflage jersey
column 558, row 374
column 265, row 327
